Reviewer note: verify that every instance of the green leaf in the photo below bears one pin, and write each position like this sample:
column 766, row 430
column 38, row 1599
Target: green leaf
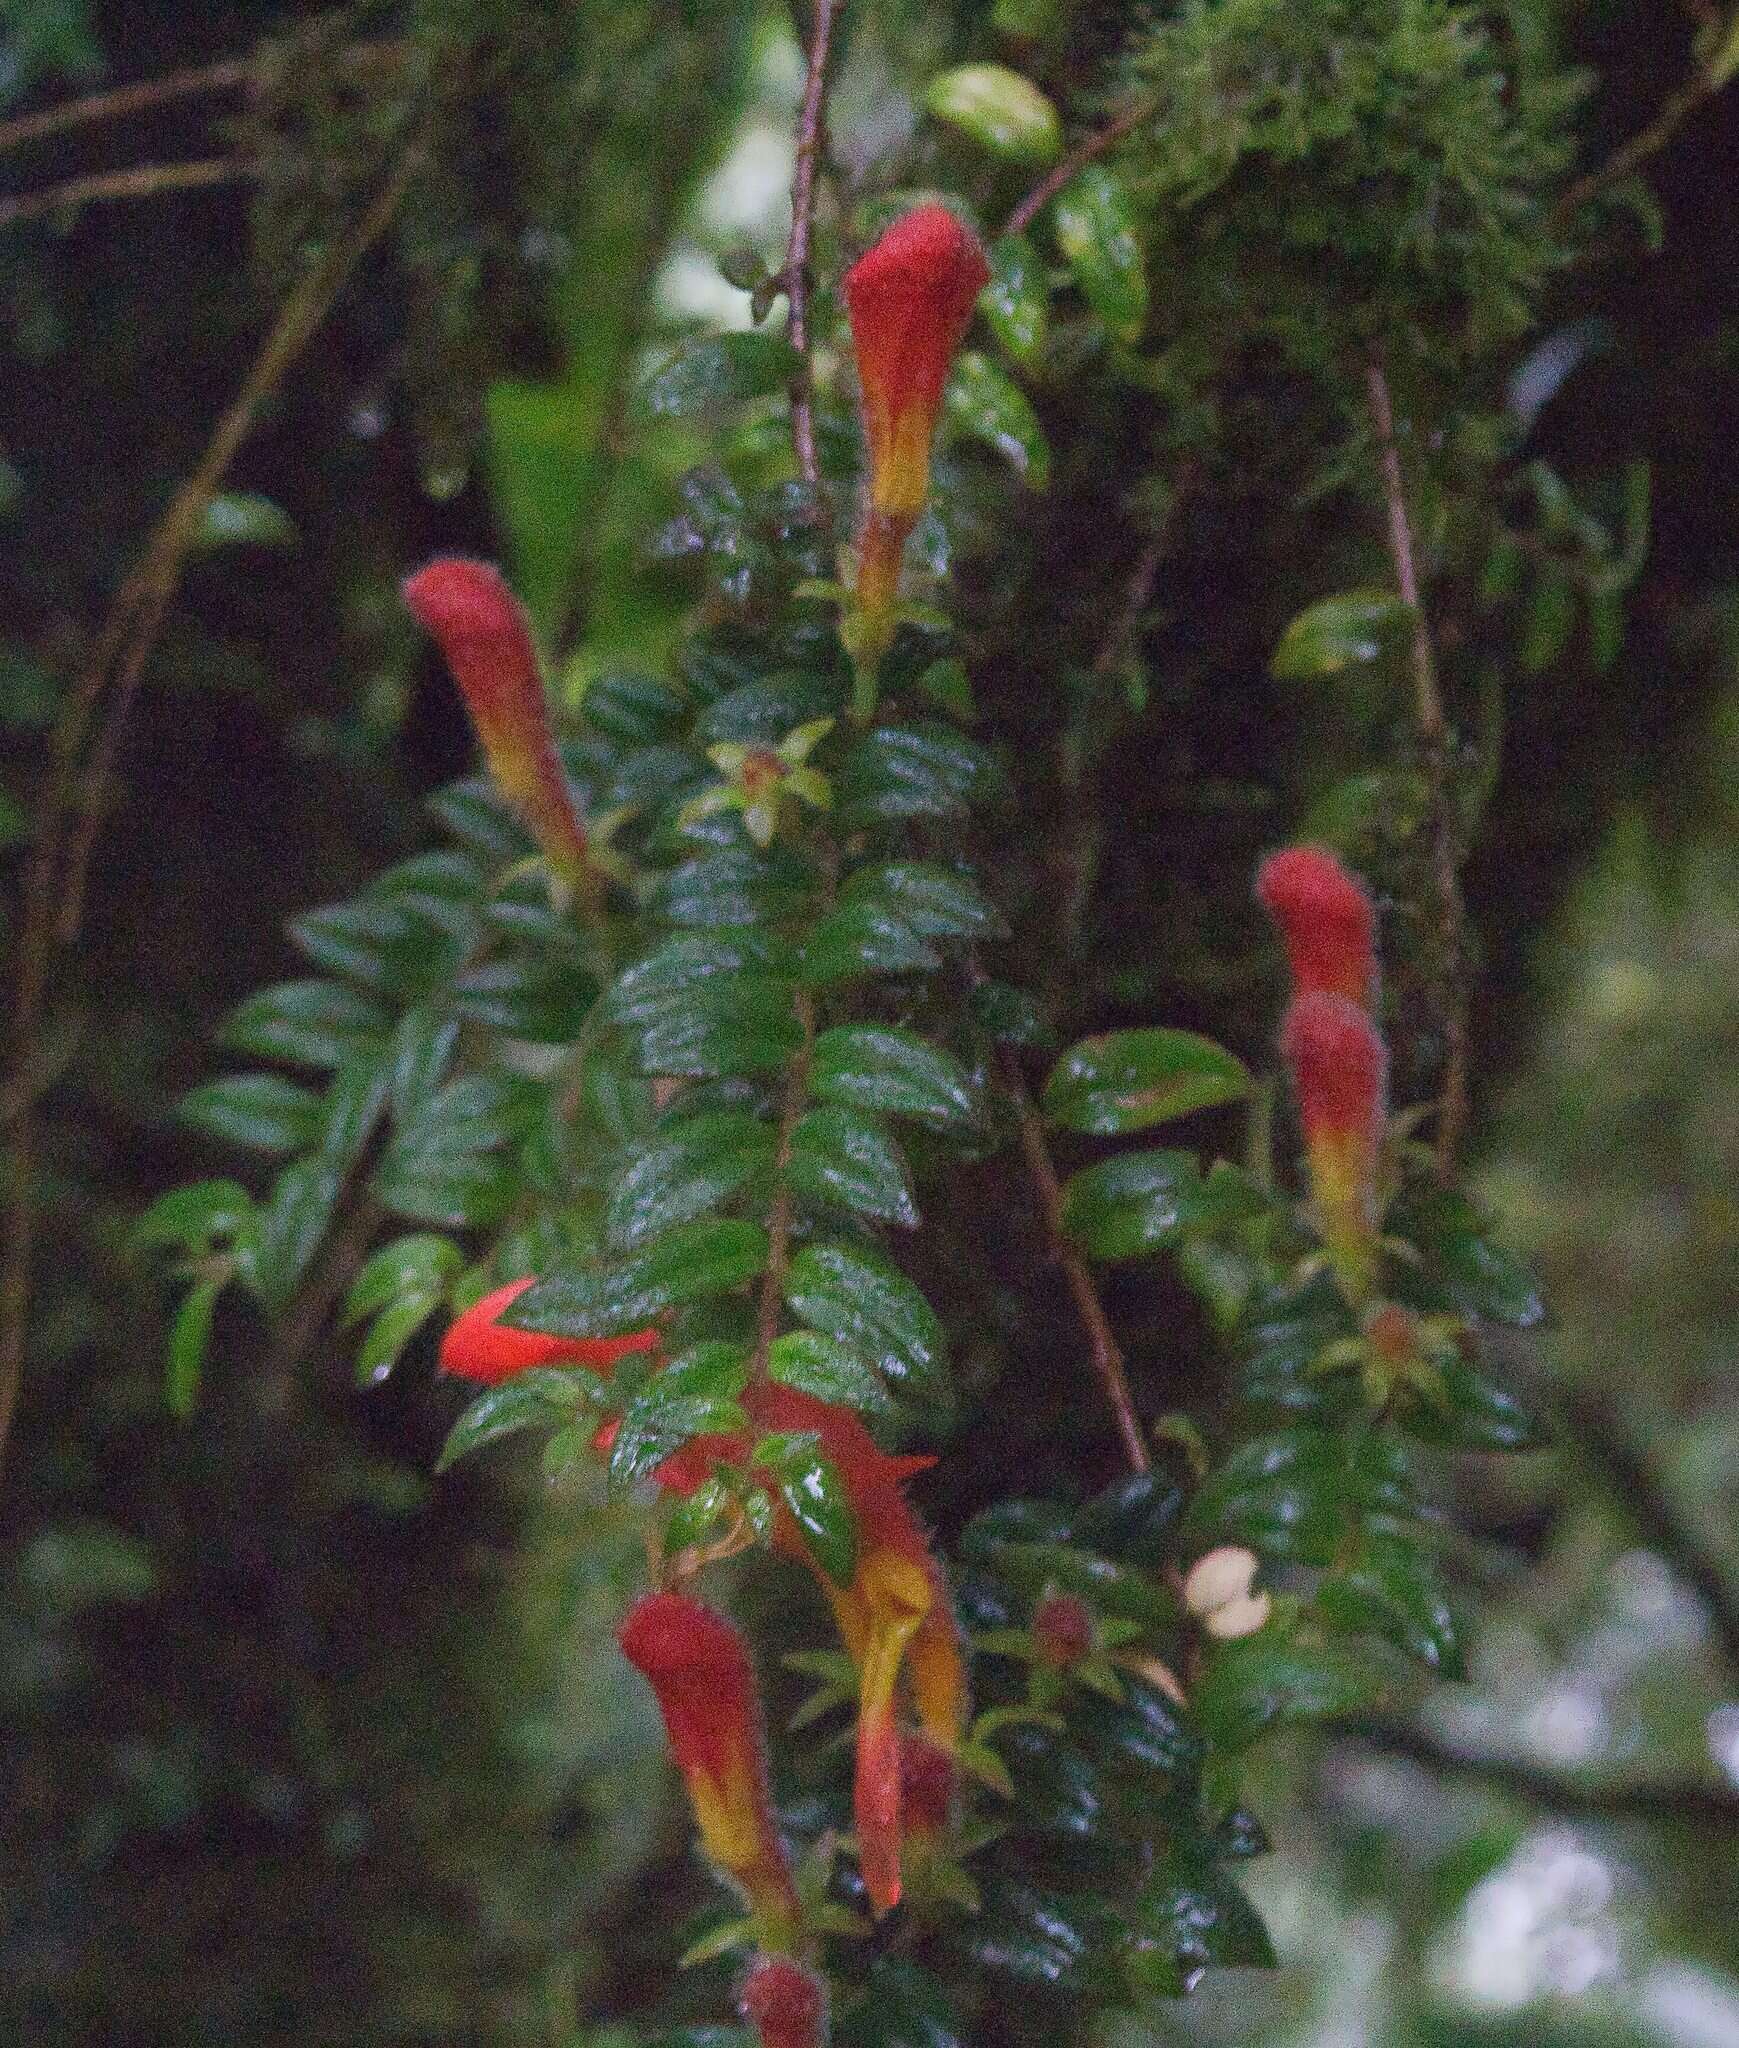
column 422, row 1049
column 986, row 404
column 860, row 1298
column 702, row 1163
column 1134, row 1520
column 188, row 1339
column 1131, row 1080
column 923, row 770
column 420, row 1264
column 475, row 812
column 195, row 1217
column 860, row 939
column 1188, row 1917
column 1137, row 1203
column 1476, row 1276
column 670, row 973
column 729, row 1025
column 635, row 709
column 541, row 1395
column 831, row 1371
column 388, row 1335
column 709, row 376
column 353, row 1106
column 737, row 886
column 844, row 1157
column 263, row 1112
column 1395, row 1590
column 1341, row 632
column 1000, row 110
column 654, row 1428
column 72, row 1565
column 291, row 1225
column 693, row 1262
column 1095, row 227
column 242, row 519
column 307, row 1023
column 1299, row 1492
column 1267, row 1678
column 1131, row 1593
column 543, row 1000
column 381, row 944
column 813, row 1492
column 932, row 901
column 885, row 1067
column 1016, row 300
column 446, row 1166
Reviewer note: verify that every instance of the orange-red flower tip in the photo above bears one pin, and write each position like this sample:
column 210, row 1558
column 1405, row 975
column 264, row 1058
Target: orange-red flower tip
column 909, row 297
column 479, row 1346
column 476, row 621
column 1327, row 919
column 785, row 2003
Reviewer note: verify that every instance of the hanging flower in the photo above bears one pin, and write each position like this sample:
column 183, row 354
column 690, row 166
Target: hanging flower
column 477, row 622
column 894, row 1615
column 785, row 2003
column 1339, row 1067
column 1328, row 921
column 479, row 1346
column 910, row 298
column 698, row 1666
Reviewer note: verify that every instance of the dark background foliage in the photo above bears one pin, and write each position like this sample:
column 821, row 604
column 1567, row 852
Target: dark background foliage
column 302, row 1747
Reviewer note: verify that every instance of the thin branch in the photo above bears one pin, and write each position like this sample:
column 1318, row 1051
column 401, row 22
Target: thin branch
column 115, row 105
column 139, row 181
column 1659, row 1799
column 779, row 1216
column 1701, row 86
column 1078, row 158
column 809, row 136
column 1106, row 1352
column 54, row 882
column 1433, row 733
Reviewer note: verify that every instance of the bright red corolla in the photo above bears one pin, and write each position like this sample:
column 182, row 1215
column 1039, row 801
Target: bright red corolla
column 1340, row 1072
column 698, row 1666
column 909, row 298
column 784, row 2003
column 479, row 1346
column 475, row 619
column 1328, row 921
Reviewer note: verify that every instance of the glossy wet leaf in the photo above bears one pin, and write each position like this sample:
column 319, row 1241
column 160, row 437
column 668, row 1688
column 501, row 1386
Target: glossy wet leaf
column 700, row 1164
column 1016, row 301
column 1095, row 228
column 860, row 1298
column 986, row 404
column 848, row 1158
column 1341, row 632
column 263, row 1112
column 1125, row 1081
column 693, row 1262
column 883, row 1067
column 1000, row 110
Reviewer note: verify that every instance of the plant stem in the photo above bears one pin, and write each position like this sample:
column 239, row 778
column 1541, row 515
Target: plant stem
column 140, row 181
column 779, row 1215
column 1433, row 734
column 1106, row 1352
column 1078, row 158
column 54, row 881
column 809, row 133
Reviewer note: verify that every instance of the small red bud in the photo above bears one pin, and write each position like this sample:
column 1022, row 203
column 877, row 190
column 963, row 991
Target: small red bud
column 785, row 2003
column 1328, row 921
column 1062, row 1631
column 929, row 1786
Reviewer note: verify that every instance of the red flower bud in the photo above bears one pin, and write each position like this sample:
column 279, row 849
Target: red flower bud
column 929, row 1788
column 698, row 1665
column 479, row 627
column 910, row 298
column 784, row 2003
column 1340, row 1067
column 1062, row 1631
column 480, row 1347
column 1328, row 922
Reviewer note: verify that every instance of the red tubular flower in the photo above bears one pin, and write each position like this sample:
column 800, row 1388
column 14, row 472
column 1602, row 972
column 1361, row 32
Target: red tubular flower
column 784, row 2003
column 1340, row 1068
column 895, row 1618
column 698, row 1665
column 479, row 1346
column 475, row 619
column 1328, row 921
column 909, row 298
